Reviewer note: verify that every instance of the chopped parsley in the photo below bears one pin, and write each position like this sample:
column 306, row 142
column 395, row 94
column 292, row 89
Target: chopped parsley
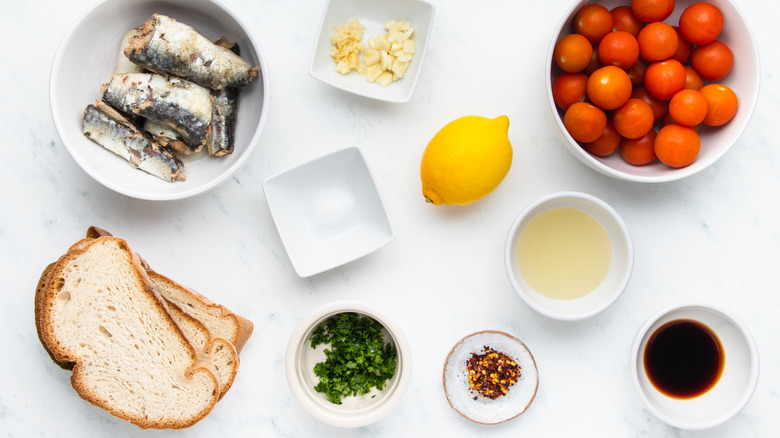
column 358, row 358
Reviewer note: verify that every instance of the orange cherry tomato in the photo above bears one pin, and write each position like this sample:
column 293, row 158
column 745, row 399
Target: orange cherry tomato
column 684, row 47
column 584, row 121
column 722, row 104
column 657, row 41
column 634, row 119
column 688, row 107
column 701, row 23
column 639, row 151
column 664, row 79
column 607, row 143
column 609, row 87
column 658, row 106
column 593, row 21
column 623, row 19
column 569, row 88
column 573, row 52
column 618, row 48
column 637, row 73
column 648, row 11
column 693, row 80
column 677, row 145
column 713, row 61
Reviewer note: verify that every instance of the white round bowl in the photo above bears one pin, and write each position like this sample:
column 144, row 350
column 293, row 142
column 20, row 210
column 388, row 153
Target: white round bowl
column 466, row 401
column 744, row 79
column 84, row 62
column 731, row 392
column 610, row 288
column 355, row 411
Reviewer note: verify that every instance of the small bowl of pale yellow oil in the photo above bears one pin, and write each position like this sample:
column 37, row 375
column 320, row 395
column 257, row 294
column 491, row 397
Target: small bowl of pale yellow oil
column 569, row 255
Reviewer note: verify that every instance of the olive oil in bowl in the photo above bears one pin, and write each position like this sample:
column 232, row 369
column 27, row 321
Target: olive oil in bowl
column 564, row 253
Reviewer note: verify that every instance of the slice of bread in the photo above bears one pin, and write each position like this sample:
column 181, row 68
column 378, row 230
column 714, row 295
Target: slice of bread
column 98, row 311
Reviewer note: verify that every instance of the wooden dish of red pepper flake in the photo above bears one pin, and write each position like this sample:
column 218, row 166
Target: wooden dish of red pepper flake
column 490, row 377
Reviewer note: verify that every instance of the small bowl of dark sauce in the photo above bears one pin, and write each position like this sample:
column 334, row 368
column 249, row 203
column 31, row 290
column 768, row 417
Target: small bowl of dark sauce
column 694, row 366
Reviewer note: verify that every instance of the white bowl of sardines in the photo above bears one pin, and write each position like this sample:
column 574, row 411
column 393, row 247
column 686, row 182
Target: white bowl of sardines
column 159, row 100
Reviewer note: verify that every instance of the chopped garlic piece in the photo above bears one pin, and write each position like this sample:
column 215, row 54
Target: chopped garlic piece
column 347, row 44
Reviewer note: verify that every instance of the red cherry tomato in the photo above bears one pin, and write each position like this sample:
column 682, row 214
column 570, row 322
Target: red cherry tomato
column 573, row 52
column 713, row 61
column 623, row 19
column 649, row 11
column 657, row 41
column 688, row 107
column 658, row 106
column 701, row 23
column 593, row 21
column 618, row 48
column 569, row 88
column 584, row 121
column 639, row 151
column 609, row 87
column 634, row 119
column 721, row 104
column 664, row 79
column 676, row 145
column 607, row 143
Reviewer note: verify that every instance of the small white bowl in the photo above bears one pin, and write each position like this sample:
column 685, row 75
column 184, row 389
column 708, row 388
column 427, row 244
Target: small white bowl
column 355, row 411
column 467, row 402
column 373, row 14
column 84, row 62
column 744, row 79
column 328, row 211
column 732, row 391
column 610, row 288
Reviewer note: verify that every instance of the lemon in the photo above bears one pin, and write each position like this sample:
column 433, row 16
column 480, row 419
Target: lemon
column 467, row 159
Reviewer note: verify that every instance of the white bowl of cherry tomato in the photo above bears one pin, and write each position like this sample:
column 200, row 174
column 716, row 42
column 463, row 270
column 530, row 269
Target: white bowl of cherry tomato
column 652, row 90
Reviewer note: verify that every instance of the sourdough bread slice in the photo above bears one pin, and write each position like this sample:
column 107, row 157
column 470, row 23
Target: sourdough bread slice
column 98, row 311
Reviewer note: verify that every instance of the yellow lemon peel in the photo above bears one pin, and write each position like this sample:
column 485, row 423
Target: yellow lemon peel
column 466, row 160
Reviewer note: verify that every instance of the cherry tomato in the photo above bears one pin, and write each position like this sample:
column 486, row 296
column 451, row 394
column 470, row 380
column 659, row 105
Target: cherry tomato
column 607, row 143
column 618, row 48
column 693, row 80
column 657, row 41
column 677, row 145
column 652, row 10
column 713, row 61
column 684, row 47
column 593, row 22
column 639, row 151
column 569, row 88
column 658, row 106
column 584, row 121
column 634, row 119
column 664, row 78
column 623, row 19
column 721, row 104
column 637, row 73
column 609, row 87
column 688, row 107
column 701, row 23
column 573, row 52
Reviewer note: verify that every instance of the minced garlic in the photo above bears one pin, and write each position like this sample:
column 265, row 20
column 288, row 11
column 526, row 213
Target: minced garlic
column 347, row 45
column 385, row 60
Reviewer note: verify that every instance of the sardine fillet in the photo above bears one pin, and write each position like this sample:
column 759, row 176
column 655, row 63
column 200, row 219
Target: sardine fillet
column 177, row 103
column 168, row 46
column 110, row 129
column 223, row 122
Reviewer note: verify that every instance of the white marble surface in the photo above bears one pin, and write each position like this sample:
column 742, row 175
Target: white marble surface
column 712, row 238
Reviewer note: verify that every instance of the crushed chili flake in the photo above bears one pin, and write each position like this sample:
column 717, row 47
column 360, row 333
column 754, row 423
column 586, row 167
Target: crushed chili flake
column 492, row 373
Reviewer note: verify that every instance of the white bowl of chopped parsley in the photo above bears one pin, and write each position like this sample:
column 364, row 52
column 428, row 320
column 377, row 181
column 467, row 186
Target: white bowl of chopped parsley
column 348, row 364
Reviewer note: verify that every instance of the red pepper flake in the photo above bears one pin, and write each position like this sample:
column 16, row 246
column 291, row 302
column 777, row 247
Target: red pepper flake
column 492, row 373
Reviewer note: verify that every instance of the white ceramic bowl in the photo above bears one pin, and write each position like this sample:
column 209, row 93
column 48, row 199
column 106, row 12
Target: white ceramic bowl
column 355, row 411
column 328, row 211
column 373, row 14
column 732, row 391
column 744, row 79
column 84, row 62
column 483, row 410
column 610, row 288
